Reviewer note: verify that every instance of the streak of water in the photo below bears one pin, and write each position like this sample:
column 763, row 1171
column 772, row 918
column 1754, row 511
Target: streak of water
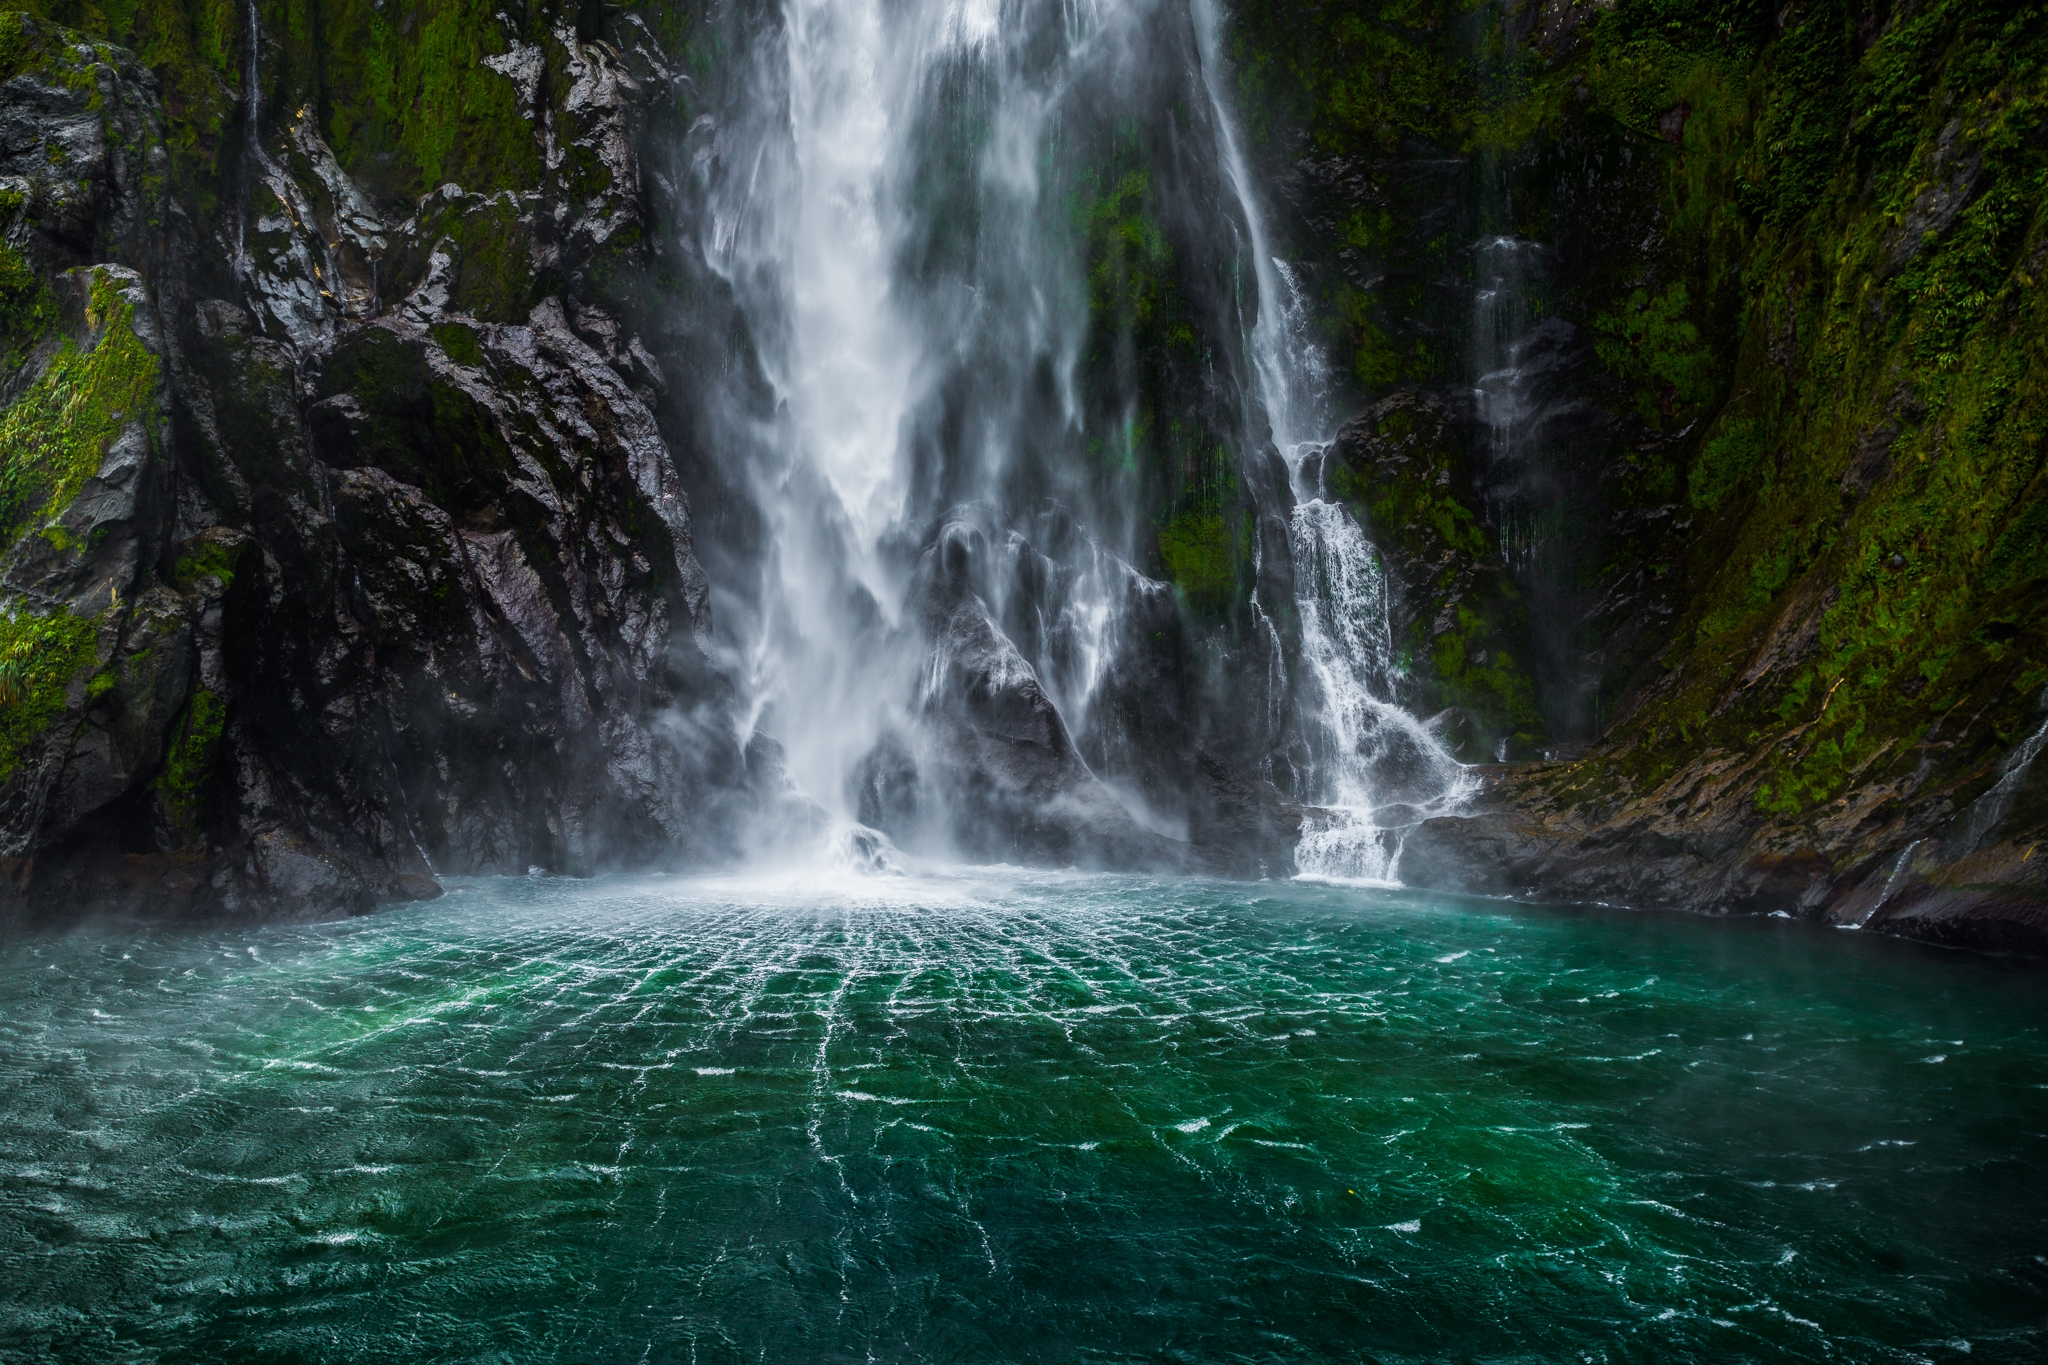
column 1367, row 753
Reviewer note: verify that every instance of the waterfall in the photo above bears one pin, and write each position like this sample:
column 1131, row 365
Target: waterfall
column 1293, row 376
column 1988, row 810
column 1373, row 768
column 898, row 204
column 877, row 206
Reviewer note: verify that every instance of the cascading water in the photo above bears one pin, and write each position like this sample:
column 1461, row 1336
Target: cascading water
column 1376, row 769
column 891, row 215
column 844, row 362
column 1373, row 769
column 914, row 296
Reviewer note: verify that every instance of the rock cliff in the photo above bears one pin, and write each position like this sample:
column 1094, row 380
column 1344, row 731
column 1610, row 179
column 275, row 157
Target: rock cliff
column 1711, row 333
column 341, row 542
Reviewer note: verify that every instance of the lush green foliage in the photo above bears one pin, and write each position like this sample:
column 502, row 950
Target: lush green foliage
column 1893, row 360
column 39, row 656
column 409, row 104
column 55, row 435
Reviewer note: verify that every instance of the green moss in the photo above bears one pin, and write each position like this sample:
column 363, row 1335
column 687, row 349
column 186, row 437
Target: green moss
column 1412, row 511
column 1130, row 263
column 190, row 45
column 495, row 280
column 1726, row 462
column 422, row 429
column 189, row 763
column 1201, row 549
column 407, row 103
column 55, row 435
column 207, row 558
column 459, row 343
column 1901, row 523
column 39, row 656
column 1359, row 77
column 1473, row 666
column 1651, row 342
column 27, row 309
column 33, row 49
column 1374, row 358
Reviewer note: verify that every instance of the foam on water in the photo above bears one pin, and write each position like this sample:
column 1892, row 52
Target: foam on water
column 997, row 1114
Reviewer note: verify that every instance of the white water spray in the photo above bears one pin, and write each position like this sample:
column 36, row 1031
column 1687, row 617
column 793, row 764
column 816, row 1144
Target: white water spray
column 908, row 268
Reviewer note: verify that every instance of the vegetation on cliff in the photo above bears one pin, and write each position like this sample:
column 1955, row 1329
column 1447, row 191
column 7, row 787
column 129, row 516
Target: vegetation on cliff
column 55, row 434
column 1822, row 357
column 40, row 656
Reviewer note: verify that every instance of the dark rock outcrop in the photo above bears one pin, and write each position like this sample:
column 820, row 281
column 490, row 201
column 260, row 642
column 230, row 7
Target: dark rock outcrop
column 383, row 572
column 1000, row 778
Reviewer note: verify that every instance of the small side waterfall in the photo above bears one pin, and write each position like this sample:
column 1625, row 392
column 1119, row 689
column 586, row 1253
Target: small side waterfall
column 1988, row 810
column 1373, row 770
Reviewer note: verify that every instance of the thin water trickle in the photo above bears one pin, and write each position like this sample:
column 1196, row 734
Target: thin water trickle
column 1367, row 755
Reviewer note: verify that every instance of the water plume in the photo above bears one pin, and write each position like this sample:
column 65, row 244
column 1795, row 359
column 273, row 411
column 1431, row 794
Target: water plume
column 941, row 629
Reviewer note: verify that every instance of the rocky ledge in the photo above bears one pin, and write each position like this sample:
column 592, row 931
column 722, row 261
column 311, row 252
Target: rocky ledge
column 1954, row 866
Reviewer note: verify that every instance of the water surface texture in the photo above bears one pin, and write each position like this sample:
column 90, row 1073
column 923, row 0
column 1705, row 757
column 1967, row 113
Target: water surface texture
column 996, row 1117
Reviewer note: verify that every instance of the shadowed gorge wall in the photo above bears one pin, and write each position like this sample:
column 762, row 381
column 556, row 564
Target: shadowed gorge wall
column 1774, row 504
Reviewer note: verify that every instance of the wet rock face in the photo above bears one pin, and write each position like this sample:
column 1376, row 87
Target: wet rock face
column 1000, row 778
column 81, row 145
column 381, row 570
column 989, row 766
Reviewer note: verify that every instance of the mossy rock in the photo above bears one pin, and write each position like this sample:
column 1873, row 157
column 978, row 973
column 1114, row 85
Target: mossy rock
column 41, row 656
column 383, row 405
column 98, row 381
column 480, row 249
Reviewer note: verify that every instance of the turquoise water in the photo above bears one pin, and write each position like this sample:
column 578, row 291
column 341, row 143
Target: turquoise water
column 1007, row 1117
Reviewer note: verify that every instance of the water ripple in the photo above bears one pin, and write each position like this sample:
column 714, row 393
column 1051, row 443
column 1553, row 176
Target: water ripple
column 1016, row 1116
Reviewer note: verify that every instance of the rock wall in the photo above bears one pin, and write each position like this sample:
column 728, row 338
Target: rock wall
column 342, row 546
column 1722, row 322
